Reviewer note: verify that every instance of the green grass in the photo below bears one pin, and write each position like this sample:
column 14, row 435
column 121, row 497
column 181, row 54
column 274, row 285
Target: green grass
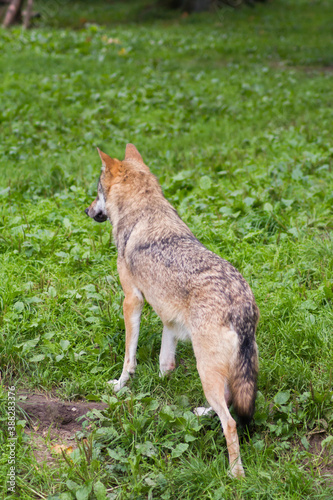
column 233, row 112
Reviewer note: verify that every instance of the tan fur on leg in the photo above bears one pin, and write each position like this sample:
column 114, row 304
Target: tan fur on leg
column 213, row 386
column 213, row 363
column 132, row 308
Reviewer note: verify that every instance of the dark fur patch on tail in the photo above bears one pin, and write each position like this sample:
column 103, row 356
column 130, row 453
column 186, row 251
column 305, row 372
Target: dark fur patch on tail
column 245, row 415
column 243, row 384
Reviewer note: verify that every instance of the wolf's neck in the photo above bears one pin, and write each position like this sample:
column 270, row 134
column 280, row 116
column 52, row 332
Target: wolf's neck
column 124, row 227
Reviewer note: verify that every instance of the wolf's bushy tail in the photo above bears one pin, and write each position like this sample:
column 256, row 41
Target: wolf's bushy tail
column 244, row 373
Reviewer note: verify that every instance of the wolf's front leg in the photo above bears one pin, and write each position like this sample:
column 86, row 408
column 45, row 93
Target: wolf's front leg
column 168, row 350
column 132, row 308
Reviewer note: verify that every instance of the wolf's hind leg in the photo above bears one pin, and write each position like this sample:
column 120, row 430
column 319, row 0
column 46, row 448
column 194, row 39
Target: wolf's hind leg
column 132, row 308
column 201, row 411
column 213, row 383
column 168, row 350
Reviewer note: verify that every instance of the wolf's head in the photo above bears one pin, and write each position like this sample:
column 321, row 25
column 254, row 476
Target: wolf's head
column 112, row 172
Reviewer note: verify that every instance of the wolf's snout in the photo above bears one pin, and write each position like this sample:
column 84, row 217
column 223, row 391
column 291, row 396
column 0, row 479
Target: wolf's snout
column 100, row 217
column 86, row 211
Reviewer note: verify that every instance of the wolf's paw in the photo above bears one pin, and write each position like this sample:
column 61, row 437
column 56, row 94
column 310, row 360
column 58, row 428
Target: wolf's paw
column 166, row 373
column 201, row 411
column 166, row 369
column 116, row 384
column 236, row 471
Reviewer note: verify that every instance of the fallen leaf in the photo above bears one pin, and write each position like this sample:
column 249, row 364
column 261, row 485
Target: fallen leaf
column 59, row 448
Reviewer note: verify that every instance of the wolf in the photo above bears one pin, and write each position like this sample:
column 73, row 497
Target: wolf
column 198, row 295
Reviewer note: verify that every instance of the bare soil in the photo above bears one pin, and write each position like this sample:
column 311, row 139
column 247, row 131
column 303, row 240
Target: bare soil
column 44, row 411
column 52, row 423
column 319, row 459
column 324, row 458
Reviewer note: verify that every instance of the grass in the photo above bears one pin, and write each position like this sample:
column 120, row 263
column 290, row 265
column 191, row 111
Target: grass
column 233, row 112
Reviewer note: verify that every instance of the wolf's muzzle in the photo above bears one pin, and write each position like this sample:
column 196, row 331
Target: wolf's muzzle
column 100, row 217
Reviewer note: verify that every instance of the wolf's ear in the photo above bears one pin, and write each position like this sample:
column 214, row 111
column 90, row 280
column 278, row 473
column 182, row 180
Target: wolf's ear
column 132, row 153
column 109, row 162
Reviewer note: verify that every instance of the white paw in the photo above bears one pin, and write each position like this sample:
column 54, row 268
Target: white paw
column 236, row 470
column 116, row 384
column 166, row 370
column 201, row 411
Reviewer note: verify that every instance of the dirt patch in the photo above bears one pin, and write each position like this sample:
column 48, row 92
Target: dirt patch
column 326, row 457
column 44, row 412
column 52, row 424
column 305, row 69
column 321, row 459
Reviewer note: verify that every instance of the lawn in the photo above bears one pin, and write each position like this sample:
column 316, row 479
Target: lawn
column 232, row 111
